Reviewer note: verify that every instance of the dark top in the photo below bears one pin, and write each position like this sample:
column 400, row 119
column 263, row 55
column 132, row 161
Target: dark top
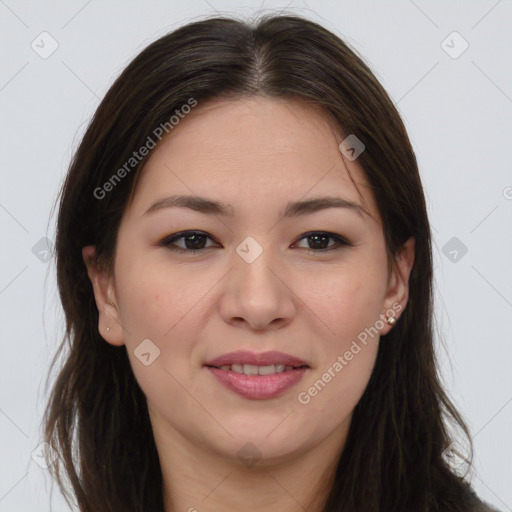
column 479, row 505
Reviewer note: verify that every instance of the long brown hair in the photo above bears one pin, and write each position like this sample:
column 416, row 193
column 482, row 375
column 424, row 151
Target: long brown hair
column 97, row 417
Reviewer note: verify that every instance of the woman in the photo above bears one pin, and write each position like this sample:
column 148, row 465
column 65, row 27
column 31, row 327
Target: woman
column 244, row 261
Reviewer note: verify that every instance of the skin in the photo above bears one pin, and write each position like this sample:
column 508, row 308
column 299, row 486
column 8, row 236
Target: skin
column 255, row 154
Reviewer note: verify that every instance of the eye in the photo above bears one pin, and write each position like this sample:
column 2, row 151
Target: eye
column 195, row 241
column 319, row 241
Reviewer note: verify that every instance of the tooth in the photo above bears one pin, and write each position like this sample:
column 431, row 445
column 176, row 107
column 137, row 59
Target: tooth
column 266, row 370
column 250, row 369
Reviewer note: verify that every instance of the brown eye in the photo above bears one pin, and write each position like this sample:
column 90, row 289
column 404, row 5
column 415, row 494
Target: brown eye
column 193, row 242
column 318, row 241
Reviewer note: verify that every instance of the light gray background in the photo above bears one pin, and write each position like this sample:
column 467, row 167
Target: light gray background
column 458, row 112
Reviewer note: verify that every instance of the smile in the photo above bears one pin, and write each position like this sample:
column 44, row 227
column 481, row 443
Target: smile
column 252, row 382
column 252, row 369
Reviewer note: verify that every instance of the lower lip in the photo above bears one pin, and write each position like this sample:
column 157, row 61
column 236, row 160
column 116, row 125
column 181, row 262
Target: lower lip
column 258, row 387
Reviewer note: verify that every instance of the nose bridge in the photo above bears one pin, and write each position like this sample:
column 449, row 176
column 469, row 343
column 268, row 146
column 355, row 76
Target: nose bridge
column 253, row 267
column 256, row 292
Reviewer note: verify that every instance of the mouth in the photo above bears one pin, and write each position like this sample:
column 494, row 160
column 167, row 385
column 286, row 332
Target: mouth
column 252, row 369
column 254, row 363
column 258, row 376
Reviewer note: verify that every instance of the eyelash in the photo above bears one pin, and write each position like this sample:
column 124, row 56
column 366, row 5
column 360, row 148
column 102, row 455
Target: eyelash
column 167, row 242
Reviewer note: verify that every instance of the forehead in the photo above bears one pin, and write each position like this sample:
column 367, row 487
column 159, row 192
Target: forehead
column 253, row 149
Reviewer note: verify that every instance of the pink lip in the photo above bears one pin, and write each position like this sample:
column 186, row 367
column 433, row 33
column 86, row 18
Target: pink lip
column 261, row 359
column 258, row 387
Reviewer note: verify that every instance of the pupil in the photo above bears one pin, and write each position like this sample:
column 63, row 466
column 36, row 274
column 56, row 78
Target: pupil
column 319, row 241
column 316, row 238
column 194, row 245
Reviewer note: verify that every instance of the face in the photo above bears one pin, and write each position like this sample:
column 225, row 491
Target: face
column 310, row 282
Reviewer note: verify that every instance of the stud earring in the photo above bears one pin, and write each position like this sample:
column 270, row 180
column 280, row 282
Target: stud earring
column 108, row 329
column 391, row 320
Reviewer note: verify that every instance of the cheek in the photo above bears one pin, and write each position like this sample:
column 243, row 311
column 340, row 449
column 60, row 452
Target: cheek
column 348, row 306
column 156, row 299
column 345, row 302
column 338, row 382
column 165, row 307
column 334, row 391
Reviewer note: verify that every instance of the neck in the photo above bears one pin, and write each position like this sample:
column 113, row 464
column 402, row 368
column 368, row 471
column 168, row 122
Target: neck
column 196, row 479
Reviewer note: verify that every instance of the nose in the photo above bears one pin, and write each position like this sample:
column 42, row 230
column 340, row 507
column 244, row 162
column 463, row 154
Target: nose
column 258, row 295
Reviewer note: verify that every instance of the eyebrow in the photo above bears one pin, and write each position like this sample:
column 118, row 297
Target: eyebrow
column 293, row 209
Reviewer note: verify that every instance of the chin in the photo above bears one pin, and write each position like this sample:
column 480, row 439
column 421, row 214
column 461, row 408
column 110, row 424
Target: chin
column 265, row 444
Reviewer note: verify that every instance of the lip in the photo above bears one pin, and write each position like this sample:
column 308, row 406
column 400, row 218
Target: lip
column 258, row 387
column 258, row 359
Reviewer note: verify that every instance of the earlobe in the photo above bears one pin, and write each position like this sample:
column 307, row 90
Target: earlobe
column 109, row 321
column 397, row 294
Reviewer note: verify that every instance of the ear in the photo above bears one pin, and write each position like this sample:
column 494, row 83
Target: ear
column 397, row 293
column 106, row 302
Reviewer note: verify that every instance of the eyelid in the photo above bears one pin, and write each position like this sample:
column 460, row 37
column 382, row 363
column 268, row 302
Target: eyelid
column 340, row 241
column 166, row 242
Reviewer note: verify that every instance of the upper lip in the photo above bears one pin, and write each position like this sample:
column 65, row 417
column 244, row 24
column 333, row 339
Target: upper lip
column 258, row 359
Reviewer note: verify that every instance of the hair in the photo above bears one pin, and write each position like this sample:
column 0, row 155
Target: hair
column 97, row 418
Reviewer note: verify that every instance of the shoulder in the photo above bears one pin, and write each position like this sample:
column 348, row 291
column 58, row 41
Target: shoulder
column 477, row 505
column 481, row 506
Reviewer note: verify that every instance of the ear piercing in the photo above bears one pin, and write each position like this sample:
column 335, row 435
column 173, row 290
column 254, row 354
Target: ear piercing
column 108, row 329
column 391, row 320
